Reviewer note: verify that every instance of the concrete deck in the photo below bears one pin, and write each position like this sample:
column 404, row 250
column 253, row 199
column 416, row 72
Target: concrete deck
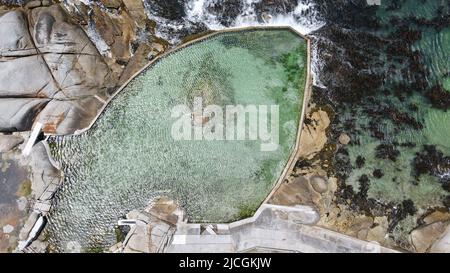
column 272, row 229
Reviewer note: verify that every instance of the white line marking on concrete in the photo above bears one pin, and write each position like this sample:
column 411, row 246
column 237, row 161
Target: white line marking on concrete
column 36, row 130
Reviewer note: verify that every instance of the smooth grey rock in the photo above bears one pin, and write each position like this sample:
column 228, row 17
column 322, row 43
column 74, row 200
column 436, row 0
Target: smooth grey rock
column 54, row 33
column 66, row 117
column 9, row 142
column 68, row 80
column 15, row 39
column 26, row 77
column 43, row 29
column 83, row 76
column 78, row 76
column 18, row 114
column 43, row 173
column 15, row 80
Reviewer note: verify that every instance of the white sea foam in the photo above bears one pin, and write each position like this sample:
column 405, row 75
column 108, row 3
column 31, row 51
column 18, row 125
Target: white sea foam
column 316, row 66
column 196, row 11
column 304, row 19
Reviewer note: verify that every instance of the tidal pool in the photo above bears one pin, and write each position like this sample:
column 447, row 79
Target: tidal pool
column 129, row 155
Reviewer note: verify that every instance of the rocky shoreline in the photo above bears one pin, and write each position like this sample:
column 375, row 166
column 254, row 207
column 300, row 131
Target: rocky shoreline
column 71, row 78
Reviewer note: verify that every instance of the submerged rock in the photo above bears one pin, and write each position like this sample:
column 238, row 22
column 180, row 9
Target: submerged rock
column 360, row 161
column 387, row 151
column 400, row 212
column 364, row 184
column 377, row 173
column 439, row 97
column 344, row 139
column 433, row 162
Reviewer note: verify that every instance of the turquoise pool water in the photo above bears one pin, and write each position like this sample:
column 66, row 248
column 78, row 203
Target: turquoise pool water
column 129, row 156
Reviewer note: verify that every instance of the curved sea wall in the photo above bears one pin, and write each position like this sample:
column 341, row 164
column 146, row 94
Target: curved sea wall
column 231, row 76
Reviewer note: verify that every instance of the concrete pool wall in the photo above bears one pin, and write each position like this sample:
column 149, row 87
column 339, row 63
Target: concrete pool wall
column 306, row 95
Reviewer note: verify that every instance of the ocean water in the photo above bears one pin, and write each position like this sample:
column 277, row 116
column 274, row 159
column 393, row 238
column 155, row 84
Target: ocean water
column 129, row 156
column 399, row 182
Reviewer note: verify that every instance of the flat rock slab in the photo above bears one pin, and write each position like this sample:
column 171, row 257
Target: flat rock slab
column 423, row 238
column 26, row 77
column 442, row 245
column 15, row 40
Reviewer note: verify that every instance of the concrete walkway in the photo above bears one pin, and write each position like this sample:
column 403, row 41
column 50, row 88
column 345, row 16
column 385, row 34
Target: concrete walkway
column 272, row 229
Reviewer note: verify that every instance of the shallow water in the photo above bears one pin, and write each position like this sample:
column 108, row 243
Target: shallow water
column 398, row 182
column 130, row 157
